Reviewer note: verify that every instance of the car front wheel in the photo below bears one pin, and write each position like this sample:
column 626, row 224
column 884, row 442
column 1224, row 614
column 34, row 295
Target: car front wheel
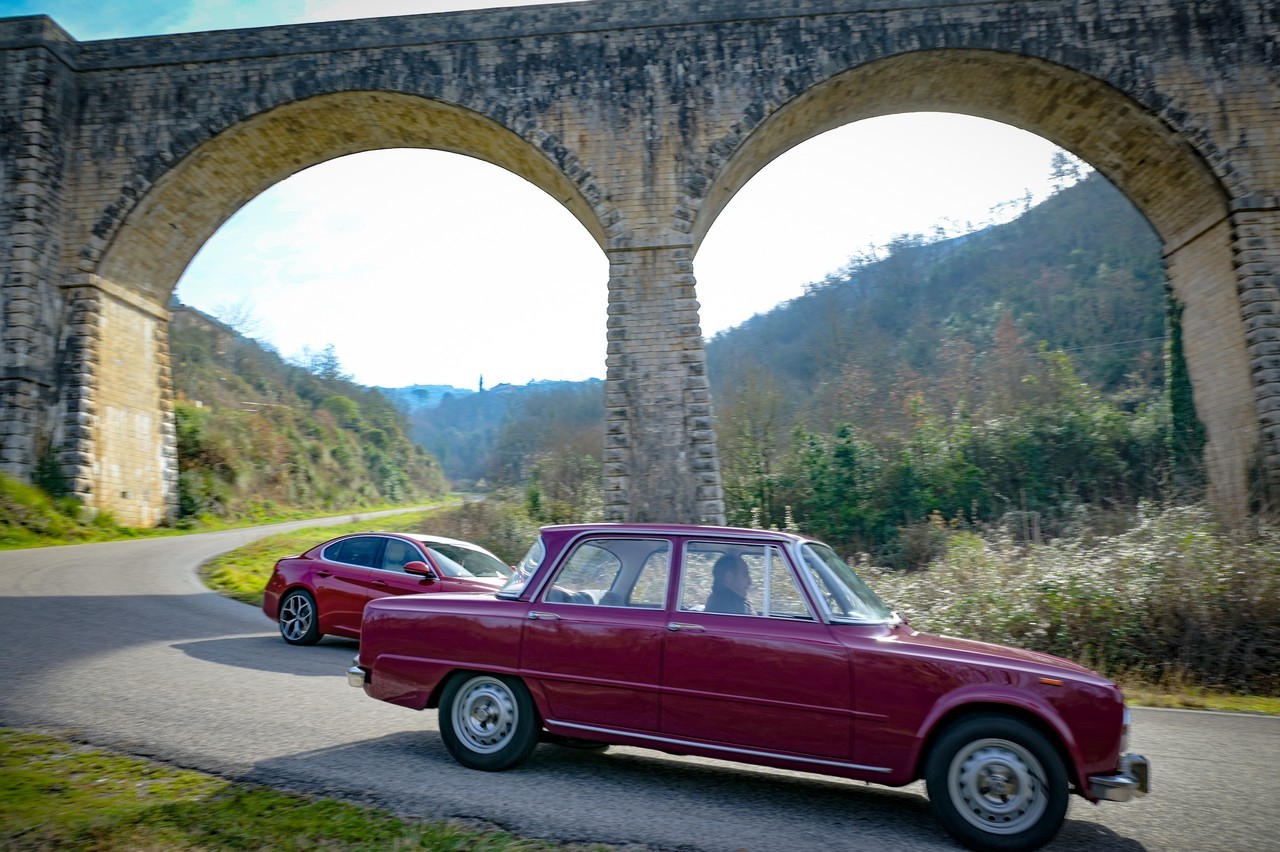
column 488, row 721
column 996, row 783
column 299, row 620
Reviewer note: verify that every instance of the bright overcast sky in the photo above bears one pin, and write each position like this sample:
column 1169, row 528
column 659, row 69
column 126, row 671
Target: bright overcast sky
column 424, row 267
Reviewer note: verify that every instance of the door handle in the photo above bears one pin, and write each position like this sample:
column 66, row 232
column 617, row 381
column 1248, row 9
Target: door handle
column 548, row 616
column 684, row 625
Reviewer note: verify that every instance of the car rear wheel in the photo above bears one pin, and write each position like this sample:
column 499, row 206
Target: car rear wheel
column 299, row 620
column 996, row 783
column 488, row 721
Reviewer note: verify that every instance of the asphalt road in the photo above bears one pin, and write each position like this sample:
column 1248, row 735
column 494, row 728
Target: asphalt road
column 120, row 645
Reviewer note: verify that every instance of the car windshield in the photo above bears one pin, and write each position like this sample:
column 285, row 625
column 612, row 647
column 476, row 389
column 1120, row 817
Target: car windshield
column 456, row 561
column 524, row 570
column 844, row 592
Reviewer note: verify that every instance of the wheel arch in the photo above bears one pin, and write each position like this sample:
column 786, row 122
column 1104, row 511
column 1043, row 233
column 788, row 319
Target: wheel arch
column 1061, row 742
column 535, row 693
column 288, row 590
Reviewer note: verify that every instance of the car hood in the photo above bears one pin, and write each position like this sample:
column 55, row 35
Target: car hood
column 486, row 584
column 979, row 652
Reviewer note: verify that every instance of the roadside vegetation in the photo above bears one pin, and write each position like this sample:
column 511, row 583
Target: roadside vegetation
column 29, row 517
column 1173, row 605
column 56, row 794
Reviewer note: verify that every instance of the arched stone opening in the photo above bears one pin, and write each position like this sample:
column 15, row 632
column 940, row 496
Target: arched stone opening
column 121, row 451
column 1152, row 163
column 162, row 234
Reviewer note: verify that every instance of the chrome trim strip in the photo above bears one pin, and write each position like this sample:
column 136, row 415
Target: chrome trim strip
column 817, row 761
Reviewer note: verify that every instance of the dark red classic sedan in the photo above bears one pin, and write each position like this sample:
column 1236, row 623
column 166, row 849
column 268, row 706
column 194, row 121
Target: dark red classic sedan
column 759, row 647
column 324, row 590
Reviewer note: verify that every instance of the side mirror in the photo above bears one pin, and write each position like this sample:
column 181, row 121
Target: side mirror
column 421, row 569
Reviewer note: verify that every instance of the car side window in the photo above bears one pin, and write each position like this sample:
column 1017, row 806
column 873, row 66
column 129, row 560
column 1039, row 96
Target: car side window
column 650, row 588
column 361, row 550
column 397, row 554
column 740, row 579
column 613, row 572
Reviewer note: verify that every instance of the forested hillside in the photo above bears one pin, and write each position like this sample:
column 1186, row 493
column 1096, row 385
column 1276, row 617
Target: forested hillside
column 1081, row 272
column 544, row 437
column 258, row 435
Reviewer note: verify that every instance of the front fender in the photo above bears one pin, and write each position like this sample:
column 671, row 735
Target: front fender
column 986, row 698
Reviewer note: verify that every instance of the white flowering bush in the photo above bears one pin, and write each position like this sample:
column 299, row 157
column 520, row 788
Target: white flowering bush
column 1174, row 598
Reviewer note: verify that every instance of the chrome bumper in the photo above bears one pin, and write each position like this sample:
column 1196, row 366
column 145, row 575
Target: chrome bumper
column 357, row 677
column 1132, row 781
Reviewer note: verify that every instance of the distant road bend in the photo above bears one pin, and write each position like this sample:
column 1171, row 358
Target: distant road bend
column 121, row 645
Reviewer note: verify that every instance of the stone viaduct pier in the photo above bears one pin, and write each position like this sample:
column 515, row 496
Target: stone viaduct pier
column 119, row 159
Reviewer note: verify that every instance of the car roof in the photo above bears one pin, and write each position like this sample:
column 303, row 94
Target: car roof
column 673, row 529
column 420, row 537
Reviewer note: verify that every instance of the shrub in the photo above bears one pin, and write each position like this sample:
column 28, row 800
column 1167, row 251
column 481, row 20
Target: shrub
column 1172, row 599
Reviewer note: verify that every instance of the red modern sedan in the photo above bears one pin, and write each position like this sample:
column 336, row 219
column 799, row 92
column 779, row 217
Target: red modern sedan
column 324, row 590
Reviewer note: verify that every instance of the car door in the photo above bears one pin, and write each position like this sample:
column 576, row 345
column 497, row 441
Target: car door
column 342, row 581
column 389, row 576
column 774, row 679
column 593, row 638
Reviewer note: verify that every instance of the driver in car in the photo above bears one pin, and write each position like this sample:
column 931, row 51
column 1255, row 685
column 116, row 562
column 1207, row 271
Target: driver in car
column 731, row 580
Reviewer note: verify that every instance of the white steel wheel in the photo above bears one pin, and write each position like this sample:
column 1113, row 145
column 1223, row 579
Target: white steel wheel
column 998, row 786
column 488, row 721
column 997, row 783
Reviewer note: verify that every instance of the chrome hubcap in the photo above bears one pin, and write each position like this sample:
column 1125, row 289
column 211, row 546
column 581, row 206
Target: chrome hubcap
column 485, row 714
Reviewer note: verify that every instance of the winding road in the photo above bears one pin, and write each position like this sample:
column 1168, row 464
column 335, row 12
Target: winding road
column 120, row 645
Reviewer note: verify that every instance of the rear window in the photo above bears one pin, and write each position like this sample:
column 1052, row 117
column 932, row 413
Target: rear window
column 362, row 550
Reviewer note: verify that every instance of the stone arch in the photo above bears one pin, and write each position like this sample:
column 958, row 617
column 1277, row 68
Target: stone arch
column 120, row 445
column 161, row 234
column 1151, row 162
column 1168, row 179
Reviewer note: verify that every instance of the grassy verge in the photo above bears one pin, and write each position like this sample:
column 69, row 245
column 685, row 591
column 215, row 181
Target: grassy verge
column 1190, row 698
column 60, row 795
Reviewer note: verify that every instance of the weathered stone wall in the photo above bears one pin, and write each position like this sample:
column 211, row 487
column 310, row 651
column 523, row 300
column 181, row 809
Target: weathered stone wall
column 37, row 100
column 643, row 117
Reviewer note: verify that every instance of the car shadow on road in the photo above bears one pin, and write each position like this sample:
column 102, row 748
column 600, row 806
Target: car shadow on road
column 270, row 653
column 569, row 795
column 613, row 797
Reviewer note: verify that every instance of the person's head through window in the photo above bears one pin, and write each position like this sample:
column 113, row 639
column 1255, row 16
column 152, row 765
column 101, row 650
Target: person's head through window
column 730, row 582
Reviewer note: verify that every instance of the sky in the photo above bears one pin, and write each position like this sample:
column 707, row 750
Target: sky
column 426, row 267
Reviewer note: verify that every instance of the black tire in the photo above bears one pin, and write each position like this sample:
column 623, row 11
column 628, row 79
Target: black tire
column 299, row 619
column 487, row 721
column 996, row 783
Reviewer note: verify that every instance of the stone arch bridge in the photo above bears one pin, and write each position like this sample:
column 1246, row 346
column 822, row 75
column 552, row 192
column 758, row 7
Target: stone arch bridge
column 643, row 117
